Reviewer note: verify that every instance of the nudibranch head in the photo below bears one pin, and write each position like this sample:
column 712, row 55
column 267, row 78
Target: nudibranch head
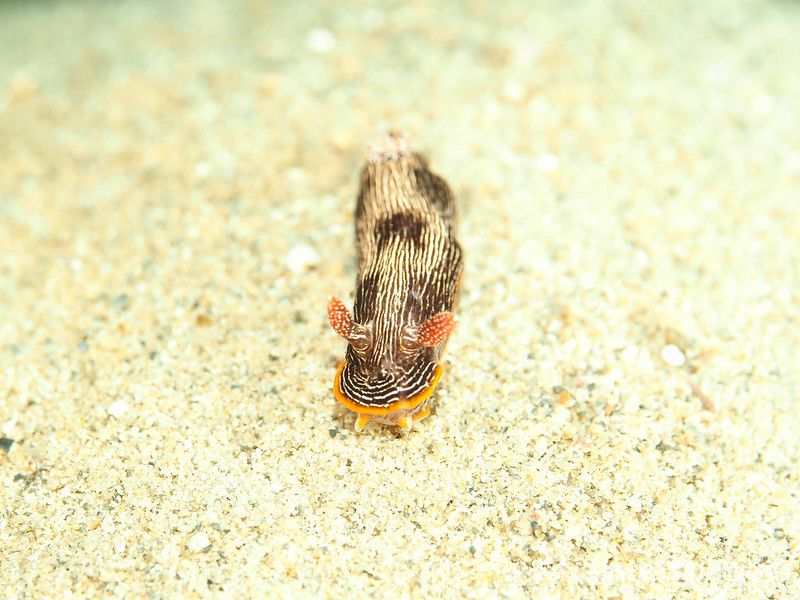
column 391, row 388
column 384, row 399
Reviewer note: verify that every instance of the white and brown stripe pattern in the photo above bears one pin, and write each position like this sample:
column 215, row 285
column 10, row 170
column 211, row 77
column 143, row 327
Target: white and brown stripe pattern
column 409, row 266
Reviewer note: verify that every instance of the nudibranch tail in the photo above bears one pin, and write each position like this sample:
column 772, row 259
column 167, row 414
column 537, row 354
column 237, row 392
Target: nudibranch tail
column 391, row 147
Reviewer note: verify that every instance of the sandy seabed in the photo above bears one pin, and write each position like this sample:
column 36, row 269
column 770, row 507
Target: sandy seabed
column 619, row 413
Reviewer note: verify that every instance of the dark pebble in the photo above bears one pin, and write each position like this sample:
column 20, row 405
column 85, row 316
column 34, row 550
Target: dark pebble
column 122, row 302
column 5, row 443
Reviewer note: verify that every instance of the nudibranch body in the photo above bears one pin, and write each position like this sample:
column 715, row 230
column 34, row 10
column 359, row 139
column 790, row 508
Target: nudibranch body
column 409, row 267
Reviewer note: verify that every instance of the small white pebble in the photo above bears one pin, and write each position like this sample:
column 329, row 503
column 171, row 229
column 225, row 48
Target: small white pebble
column 296, row 174
column 673, row 355
column 630, row 353
column 199, row 543
column 320, row 40
column 763, row 104
column 202, row 170
column 615, row 375
column 301, row 257
column 793, row 161
column 547, row 162
column 118, row 408
column 540, row 447
column 10, row 427
column 513, row 91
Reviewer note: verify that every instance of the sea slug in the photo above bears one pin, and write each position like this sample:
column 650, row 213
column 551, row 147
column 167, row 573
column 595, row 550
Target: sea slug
column 409, row 269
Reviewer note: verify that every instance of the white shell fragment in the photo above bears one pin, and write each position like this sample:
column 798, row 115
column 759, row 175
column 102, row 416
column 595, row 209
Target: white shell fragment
column 320, row 40
column 301, row 257
column 117, row 409
column 672, row 355
column 199, row 542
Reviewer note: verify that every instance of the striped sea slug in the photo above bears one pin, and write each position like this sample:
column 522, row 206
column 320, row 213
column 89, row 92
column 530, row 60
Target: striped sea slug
column 409, row 267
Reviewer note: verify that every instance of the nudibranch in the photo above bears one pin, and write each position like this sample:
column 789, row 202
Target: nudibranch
column 409, row 268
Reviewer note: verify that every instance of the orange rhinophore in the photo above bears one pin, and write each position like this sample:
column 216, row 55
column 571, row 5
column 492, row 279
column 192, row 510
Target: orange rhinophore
column 409, row 267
